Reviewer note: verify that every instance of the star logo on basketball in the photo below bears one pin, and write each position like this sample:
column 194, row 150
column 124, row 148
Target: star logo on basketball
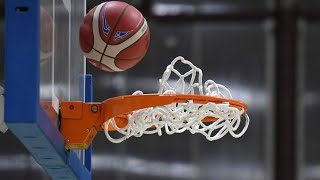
column 120, row 35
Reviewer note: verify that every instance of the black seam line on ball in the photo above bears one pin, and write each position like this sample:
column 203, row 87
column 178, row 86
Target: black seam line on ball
column 115, row 26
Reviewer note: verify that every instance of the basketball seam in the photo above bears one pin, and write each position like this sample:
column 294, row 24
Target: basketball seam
column 128, row 58
column 113, row 57
column 111, row 33
column 86, row 42
column 107, row 56
column 130, row 46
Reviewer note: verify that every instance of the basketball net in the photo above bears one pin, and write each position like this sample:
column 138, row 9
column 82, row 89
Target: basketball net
column 188, row 116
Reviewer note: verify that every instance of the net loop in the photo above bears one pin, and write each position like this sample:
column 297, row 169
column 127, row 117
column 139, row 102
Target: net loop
column 187, row 116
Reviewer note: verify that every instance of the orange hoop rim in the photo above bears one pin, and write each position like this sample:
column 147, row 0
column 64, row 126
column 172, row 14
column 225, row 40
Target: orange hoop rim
column 123, row 105
column 81, row 121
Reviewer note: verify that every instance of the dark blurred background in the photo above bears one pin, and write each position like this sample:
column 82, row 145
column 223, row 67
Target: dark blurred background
column 265, row 51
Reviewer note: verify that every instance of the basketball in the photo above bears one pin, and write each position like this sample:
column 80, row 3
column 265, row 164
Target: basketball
column 114, row 36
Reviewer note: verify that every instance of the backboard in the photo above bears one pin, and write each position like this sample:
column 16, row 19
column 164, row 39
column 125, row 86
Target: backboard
column 45, row 66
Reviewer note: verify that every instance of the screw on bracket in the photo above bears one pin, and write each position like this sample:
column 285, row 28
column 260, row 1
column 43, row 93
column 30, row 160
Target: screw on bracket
column 94, row 108
column 71, row 107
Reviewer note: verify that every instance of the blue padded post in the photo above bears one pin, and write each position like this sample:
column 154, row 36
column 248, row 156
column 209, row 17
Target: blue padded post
column 23, row 113
column 88, row 98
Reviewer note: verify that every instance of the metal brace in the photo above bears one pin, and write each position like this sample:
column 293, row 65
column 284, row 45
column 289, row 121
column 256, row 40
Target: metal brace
column 3, row 125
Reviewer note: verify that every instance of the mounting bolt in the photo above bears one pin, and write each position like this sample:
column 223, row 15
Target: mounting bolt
column 94, row 108
column 71, row 107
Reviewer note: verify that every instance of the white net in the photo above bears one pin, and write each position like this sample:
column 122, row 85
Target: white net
column 179, row 117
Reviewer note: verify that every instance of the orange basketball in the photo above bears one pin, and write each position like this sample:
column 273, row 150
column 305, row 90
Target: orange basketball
column 114, row 36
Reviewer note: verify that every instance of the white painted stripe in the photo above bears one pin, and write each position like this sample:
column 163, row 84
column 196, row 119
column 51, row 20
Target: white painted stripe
column 99, row 44
column 139, row 166
column 114, row 50
column 177, row 169
column 67, row 4
column 110, row 62
column 93, row 54
column 18, row 162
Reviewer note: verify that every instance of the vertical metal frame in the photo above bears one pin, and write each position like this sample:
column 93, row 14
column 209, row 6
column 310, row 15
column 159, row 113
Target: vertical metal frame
column 300, row 105
column 270, row 85
column 23, row 113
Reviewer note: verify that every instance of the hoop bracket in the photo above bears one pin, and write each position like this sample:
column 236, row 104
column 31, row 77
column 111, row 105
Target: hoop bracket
column 80, row 123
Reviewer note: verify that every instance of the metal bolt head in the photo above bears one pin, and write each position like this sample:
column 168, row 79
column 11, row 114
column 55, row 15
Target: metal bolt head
column 71, row 107
column 94, row 108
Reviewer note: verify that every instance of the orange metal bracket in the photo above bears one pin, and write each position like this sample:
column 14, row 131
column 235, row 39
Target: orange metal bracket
column 80, row 121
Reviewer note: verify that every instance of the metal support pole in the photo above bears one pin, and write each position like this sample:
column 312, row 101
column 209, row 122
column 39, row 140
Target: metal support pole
column 3, row 125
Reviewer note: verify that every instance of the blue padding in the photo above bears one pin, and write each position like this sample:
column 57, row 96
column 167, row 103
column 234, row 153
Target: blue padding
column 46, row 145
column 88, row 98
column 22, row 66
column 89, row 88
column 23, row 113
